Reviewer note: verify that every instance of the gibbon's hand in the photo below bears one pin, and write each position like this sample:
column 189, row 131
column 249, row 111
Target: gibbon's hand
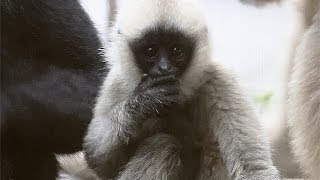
column 155, row 96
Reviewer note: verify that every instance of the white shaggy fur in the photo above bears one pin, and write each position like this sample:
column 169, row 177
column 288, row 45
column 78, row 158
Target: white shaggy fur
column 232, row 143
column 304, row 101
column 74, row 167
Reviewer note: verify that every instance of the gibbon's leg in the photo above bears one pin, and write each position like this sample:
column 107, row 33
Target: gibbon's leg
column 156, row 158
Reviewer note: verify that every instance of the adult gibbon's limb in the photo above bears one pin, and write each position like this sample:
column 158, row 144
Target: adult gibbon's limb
column 304, row 102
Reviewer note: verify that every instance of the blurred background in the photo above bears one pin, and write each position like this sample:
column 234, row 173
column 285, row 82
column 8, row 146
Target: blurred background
column 253, row 43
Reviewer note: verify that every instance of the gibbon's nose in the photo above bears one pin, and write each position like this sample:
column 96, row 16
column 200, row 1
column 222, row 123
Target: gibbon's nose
column 165, row 67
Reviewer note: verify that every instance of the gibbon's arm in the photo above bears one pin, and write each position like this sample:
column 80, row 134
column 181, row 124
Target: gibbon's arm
column 242, row 144
column 304, row 102
column 108, row 133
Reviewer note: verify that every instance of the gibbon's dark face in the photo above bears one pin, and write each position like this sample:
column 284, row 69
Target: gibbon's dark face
column 162, row 52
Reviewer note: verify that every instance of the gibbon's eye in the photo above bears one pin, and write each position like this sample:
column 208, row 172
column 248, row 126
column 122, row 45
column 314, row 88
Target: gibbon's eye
column 151, row 51
column 177, row 52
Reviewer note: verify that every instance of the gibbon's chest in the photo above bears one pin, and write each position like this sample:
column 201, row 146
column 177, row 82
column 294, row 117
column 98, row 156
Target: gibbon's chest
column 190, row 124
column 186, row 122
column 182, row 123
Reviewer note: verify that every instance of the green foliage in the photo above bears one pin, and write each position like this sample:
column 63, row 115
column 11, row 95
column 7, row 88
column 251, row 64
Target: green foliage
column 263, row 99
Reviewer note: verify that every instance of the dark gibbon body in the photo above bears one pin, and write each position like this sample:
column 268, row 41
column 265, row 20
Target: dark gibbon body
column 303, row 92
column 50, row 73
column 166, row 110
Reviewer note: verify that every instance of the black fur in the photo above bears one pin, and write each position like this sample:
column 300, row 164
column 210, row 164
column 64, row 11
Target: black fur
column 50, row 74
